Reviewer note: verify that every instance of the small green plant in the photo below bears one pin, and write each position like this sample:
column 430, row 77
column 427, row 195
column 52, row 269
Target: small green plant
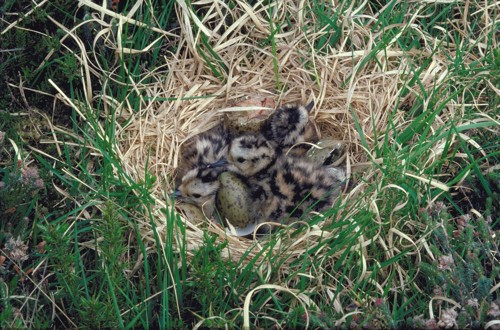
column 88, row 241
column 20, row 188
column 464, row 269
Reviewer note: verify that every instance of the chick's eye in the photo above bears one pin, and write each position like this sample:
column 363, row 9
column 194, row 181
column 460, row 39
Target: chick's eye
column 240, row 160
column 196, row 195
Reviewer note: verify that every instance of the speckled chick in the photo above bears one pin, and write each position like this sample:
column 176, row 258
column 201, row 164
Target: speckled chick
column 289, row 125
column 281, row 186
column 204, row 149
column 198, row 187
column 292, row 187
column 250, row 154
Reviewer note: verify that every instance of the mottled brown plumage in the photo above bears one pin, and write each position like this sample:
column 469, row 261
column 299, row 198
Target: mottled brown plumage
column 292, row 187
column 250, row 153
column 198, row 187
column 281, row 186
column 202, row 150
column 287, row 125
column 196, row 183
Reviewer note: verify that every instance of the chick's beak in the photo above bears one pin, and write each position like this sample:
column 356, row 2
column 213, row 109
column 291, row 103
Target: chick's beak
column 219, row 163
column 176, row 194
column 310, row 106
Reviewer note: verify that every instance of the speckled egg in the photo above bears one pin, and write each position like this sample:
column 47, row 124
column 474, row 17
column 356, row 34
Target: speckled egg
column 244, row 121
column 237, row 125
column 329, row 152
column 233, row 200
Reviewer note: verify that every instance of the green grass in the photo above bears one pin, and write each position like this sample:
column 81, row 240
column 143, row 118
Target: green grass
column 96, row 247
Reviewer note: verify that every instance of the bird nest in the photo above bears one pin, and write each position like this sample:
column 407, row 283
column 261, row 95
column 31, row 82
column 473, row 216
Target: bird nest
column 227, row 62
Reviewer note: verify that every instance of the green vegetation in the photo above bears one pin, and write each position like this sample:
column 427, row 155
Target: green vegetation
column 95, row 106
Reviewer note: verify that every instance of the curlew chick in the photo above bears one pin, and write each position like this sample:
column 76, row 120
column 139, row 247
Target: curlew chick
column 208, row 147
column 202, row 150
column 287, row 125
column 249, row 154
column 198, row 187
column 292, row 187
column 281, row 186
column 295, row 186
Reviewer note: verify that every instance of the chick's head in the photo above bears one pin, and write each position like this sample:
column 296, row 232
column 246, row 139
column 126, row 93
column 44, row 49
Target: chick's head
column 206, row 149
column 198, row 186
column 287, row 124
column 250, row 154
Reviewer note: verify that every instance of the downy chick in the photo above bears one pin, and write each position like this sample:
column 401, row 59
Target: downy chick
column 294, row 187
column 198, row 187
column 204, row 149
column 281, row 186
column 250, row 154
column 196, row 183
column 289, row 125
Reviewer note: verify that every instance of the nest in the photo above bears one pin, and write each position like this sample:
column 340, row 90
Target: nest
column 228, row 57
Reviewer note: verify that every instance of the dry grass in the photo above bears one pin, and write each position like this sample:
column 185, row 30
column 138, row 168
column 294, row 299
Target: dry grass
column 359, row 88
column 341, row 81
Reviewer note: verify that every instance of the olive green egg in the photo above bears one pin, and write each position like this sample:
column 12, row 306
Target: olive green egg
column 240, row 124
column 330, row 152
column 233, row 200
